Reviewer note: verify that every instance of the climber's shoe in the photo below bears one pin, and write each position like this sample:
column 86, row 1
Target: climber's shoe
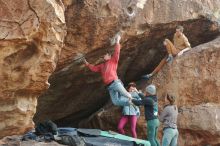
column 170, row 59
column 147, row 76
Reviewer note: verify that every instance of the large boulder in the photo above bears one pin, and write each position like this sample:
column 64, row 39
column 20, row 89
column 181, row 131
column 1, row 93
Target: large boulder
column 90, row 25
column 194, row 79
column 32, row 34
column 199, row 124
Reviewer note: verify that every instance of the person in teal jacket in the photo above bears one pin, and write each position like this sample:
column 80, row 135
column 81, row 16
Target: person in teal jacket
column 150, row 103
column 130, row 113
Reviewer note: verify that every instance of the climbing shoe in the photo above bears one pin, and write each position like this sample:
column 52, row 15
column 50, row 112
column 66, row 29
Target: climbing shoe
column 147, row 76
column 169, row 59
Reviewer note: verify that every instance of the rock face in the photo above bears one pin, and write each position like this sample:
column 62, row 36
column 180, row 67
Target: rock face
column 199, row 125
column 32, row 34
column 90, row 25
column 194, row 79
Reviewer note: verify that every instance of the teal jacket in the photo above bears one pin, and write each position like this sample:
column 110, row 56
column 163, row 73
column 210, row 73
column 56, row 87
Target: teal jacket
column 132, row 109
column 150, row 106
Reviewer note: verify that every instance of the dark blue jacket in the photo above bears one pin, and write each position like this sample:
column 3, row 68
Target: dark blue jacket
column 150, row 106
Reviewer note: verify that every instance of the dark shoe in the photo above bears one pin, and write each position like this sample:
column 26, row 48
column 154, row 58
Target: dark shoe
column 147, row 76
column 170, row 59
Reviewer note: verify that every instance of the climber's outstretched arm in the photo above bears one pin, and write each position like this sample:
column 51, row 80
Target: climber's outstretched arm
column 116, row 54
column 93, row 68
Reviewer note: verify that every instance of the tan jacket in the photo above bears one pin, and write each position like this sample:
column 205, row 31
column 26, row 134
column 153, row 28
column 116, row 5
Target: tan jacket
column 181, row 42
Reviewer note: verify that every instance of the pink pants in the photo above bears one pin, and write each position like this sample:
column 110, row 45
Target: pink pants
column 123, row 121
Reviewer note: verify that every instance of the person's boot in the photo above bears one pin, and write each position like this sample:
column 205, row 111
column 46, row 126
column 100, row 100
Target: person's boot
column 170, row 59
column 147, row 76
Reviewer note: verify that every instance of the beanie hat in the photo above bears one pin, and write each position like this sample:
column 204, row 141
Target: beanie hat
column 151, row 89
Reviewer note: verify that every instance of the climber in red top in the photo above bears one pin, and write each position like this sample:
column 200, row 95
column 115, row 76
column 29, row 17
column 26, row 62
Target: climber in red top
column 108, row 71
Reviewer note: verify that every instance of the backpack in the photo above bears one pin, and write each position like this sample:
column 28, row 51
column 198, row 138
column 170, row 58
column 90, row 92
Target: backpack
column 45, row 128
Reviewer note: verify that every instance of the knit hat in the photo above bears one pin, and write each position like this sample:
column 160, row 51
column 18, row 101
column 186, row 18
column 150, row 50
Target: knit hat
column 151, row 89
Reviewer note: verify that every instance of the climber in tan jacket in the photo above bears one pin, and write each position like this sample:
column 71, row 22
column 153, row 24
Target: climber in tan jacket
column 180, row 41
column 181, row 45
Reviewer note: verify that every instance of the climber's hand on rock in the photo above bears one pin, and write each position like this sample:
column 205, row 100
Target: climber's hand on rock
column 86, row 62
column 118, row 38
column 183, row 51
column 180, row 53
